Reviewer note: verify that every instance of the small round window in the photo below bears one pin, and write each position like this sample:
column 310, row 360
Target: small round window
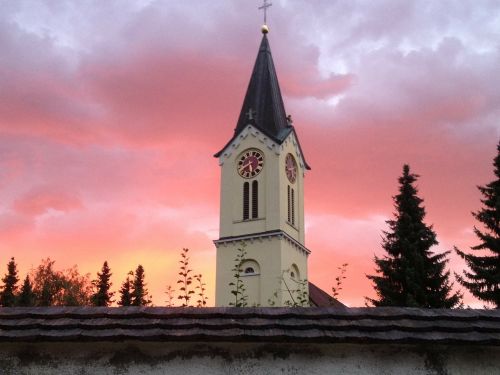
column 249, row 270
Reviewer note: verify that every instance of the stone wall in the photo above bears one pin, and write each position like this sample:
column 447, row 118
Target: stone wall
column 133, row 357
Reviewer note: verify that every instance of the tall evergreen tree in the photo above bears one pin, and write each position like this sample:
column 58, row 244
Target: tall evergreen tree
column 102, row 295
column 483, row 279
column 410, row 274
column 126, row 291
column 27, row 296
column 9, row 288
column 139, row 292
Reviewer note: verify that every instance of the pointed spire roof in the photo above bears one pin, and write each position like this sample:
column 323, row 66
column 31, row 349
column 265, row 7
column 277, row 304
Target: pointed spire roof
column 263, row 104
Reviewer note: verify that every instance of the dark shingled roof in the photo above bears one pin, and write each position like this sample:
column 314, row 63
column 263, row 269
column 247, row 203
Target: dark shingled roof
column 264, row 101
column 301, row 325
column 319, row 298
column 263, row 97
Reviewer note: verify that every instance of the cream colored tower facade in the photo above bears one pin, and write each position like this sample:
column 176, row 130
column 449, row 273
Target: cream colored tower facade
column 262, row 199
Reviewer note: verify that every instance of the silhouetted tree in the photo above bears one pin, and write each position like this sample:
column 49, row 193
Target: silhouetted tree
column 126, row 291
column 27, row 297
column 9, row 288
column 56, row 288
column 47, row 283
column 410, row 274
column 76, row 290
column 139, row 292
column 102, row 295
column 483, row 279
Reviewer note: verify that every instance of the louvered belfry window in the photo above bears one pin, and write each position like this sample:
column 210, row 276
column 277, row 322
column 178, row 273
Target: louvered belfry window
column 291, row 205
column 255, row 200
column 246, row 201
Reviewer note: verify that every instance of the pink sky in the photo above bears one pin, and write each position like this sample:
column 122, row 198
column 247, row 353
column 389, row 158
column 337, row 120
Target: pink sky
column 110, row 113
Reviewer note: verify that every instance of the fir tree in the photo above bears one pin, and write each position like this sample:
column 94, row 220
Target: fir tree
column 102, row 295
column 483, row 279
column 126, row 291
column 27, row 297
column 139, row 292
column 410, row 274
column 9, row 289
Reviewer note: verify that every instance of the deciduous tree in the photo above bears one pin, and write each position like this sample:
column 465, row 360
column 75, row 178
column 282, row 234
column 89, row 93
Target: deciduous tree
column 60, row 288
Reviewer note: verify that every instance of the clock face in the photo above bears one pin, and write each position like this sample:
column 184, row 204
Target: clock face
column 291, row 168
column 250, row 163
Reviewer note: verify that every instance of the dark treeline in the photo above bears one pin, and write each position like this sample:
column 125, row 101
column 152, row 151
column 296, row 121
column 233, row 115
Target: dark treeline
column 46, row 286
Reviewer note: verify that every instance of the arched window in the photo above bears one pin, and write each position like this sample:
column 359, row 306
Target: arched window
column 291, row 205
column 289, row 208
column 246, row 201
column 250, row 276
column 255, row 200
column 250, row 267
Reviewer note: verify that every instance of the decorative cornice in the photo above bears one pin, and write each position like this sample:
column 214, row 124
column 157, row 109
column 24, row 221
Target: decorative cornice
column 261, row 236
column 269, row 142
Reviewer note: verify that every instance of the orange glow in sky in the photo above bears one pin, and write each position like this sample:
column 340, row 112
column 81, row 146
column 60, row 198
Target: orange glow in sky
column 110, row 114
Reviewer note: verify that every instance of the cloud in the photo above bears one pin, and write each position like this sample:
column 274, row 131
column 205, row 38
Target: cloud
column 110, row 114
column 42, row 199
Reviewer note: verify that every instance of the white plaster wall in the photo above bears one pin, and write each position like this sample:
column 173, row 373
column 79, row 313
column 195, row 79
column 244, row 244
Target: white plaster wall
column 274, row 255
column 237, row 358
column 272, row 188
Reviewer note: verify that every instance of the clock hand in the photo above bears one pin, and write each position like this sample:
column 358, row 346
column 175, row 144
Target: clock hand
column 244, row 166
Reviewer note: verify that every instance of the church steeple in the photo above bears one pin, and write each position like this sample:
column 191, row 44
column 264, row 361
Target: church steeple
column 262, row 196
column 263, row 104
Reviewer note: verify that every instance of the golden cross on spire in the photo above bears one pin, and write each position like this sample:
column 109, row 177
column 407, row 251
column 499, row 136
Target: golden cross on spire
column 264, row 7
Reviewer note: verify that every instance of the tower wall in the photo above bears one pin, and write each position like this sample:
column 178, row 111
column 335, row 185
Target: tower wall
column 270, row 240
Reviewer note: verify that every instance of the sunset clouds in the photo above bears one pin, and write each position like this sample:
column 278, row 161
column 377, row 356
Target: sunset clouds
column 110, row 113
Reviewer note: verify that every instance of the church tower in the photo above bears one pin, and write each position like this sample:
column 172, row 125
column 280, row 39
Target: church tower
column 262, row 197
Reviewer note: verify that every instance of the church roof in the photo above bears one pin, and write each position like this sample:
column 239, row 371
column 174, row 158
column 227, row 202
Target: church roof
column 263, row 104
column 319, row 298
column 259, row 324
